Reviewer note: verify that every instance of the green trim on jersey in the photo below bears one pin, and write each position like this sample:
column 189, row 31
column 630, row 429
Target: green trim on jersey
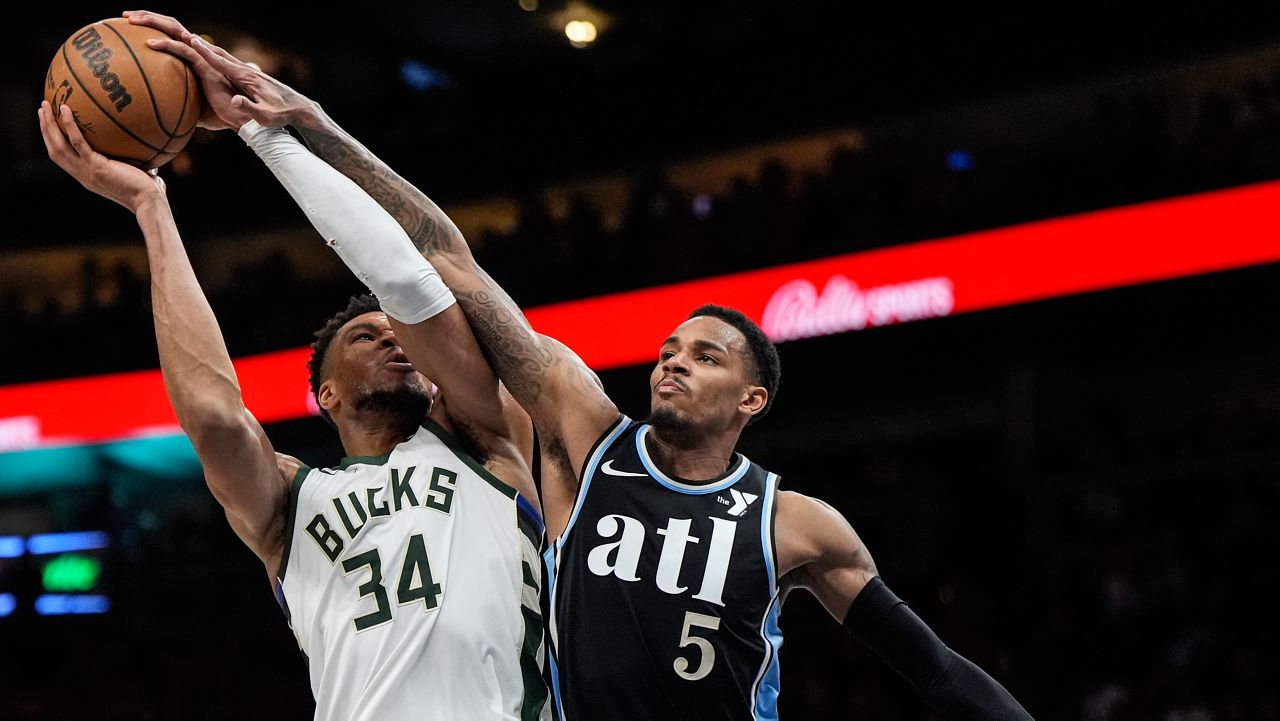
column 535, row 688
column 291, row 516
column 439, row 432
column 348, row 461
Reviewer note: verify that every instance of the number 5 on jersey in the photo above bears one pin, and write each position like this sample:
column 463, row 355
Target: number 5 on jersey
column 708, row 659
column 416, row 566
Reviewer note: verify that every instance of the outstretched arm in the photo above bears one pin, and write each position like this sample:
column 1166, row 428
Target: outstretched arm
column 561, row 394
column 239, row 462
column 557, row 389
column 819, row 550
column 428, row 324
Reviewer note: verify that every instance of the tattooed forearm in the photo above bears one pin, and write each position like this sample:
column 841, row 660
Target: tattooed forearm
column 426, row 224
column 529, row 367
column 515, row 353
column 587, row 387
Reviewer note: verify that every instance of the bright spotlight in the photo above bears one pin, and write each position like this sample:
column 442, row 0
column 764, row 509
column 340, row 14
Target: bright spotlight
column 580, row 32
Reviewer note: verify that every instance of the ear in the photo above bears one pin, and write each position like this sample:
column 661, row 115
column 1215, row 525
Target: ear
column 754, row 400
column 328, row 397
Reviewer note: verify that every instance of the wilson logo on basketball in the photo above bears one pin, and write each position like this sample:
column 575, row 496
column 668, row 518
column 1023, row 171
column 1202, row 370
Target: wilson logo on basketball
column 89, row 44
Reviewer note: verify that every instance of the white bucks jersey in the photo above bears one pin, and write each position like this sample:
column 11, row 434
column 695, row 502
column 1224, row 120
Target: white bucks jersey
column 411, row 582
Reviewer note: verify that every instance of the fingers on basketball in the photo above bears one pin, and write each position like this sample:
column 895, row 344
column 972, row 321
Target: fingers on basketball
column 131, row 101
column 53, row 140
column 164, row 23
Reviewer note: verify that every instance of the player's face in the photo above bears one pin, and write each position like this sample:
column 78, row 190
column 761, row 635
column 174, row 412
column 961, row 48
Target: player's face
column 365, row 358
column 703, row 375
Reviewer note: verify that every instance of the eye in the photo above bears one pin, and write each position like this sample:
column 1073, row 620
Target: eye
column 363, row 336
column 664, row 355
column 705, row 358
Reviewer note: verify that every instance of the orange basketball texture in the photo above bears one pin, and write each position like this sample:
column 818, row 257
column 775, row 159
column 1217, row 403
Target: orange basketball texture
column 131, row 102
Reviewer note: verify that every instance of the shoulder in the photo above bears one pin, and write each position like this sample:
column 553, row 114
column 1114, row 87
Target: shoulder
column 568, row 353
column 483, row 444
column 461, row 438
column 810, row 530
column 289, row 468
column 493, row 458
column 807, row 515
column 621, row 427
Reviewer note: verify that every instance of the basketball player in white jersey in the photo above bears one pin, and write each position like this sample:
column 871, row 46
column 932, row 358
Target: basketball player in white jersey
column 409, row 573
column 672, row 552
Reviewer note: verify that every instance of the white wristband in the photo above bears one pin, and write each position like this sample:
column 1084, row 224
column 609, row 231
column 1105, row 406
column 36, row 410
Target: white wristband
column 366, row 237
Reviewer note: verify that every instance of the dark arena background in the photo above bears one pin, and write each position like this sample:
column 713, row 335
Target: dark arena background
column 1038, row 371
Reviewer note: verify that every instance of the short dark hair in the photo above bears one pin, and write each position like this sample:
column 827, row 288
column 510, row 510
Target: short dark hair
column 357, row 306
column 764, row 355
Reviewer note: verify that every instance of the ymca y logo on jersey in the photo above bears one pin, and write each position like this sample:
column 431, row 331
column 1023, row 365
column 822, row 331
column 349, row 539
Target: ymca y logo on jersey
column 741, row 502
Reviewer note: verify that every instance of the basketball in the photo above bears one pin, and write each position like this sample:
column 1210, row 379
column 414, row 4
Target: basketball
column 131, row 102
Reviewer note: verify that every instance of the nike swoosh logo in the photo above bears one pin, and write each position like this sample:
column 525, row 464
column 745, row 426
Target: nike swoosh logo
column 608, row 468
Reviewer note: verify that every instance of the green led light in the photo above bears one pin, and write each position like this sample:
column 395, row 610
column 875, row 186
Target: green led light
column 72, row 572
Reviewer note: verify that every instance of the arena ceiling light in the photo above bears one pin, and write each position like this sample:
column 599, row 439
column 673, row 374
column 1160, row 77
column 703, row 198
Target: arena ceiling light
column 581, row 24
column 581, row 33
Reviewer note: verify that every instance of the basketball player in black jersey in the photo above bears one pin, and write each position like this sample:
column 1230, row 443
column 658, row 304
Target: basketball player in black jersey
column 670, row 553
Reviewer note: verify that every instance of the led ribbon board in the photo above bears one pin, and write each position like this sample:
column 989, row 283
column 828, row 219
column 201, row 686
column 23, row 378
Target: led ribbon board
column 1125, row 246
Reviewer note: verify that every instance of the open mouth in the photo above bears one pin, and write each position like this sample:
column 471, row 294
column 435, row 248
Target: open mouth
column 398, row 361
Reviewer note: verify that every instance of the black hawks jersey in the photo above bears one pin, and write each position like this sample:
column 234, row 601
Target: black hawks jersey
column 663, row 593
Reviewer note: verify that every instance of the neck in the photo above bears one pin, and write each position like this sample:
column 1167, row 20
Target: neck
column 374, row 436
column 691, row 459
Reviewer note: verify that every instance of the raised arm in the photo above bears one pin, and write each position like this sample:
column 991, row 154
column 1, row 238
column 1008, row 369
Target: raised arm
column 557, row 389
column 239, row 463
column 562, row 395
column 818, row 550
column 429, row 326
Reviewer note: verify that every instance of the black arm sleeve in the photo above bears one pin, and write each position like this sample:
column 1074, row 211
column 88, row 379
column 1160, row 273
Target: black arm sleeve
column 943, row 678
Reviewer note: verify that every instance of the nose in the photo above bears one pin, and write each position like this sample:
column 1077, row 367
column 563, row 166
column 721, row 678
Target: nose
column 676, row 364
column 388, row 339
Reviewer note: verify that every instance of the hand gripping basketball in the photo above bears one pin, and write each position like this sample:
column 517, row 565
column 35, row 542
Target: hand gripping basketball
column 130, row 102
column 235, row 90
column 112, row 179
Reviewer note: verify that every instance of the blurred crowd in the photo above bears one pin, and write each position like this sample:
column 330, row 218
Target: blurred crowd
column 865, row 198
column 1136, row 613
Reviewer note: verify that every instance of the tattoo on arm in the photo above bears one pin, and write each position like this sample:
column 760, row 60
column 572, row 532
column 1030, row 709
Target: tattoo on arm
column 426, row 224
column 516, row 356
column 514, row 351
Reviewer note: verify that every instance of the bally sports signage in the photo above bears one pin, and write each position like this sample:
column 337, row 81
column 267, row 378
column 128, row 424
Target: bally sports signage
column 799, row 310
column 1162, row 240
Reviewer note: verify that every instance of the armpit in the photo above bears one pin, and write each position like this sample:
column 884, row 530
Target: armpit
column 799, row 577
column 288, row 466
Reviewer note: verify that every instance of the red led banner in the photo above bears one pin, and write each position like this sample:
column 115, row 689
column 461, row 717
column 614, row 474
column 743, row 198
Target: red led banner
column 1046, row 259
column 124, row 405
column 1107, row 249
